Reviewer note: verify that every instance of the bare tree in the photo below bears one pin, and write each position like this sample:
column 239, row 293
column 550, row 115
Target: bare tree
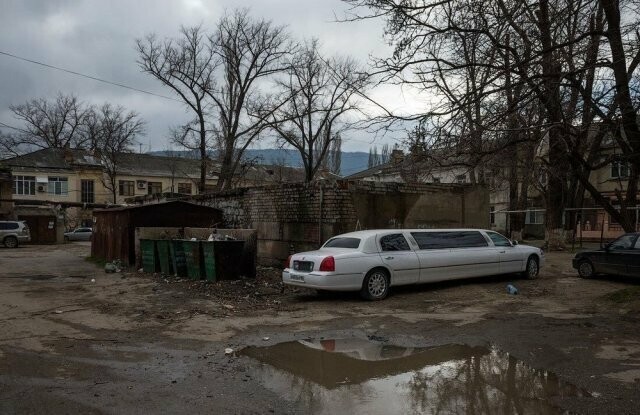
column 48, row 124
column 247, row 51
column 513, row 75
column 322, row 92
column 116, row 132
column 185, row 65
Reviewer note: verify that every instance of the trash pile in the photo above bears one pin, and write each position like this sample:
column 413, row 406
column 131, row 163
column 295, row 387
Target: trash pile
column 113, row 266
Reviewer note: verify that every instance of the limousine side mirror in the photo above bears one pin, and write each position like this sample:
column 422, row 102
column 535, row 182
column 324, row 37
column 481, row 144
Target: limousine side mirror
column 514, row 242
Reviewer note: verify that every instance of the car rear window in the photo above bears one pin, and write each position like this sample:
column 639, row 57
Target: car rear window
column 8, row 225
column 352, row 243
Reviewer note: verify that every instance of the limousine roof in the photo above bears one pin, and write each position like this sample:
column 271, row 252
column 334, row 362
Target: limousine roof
column 371, row 232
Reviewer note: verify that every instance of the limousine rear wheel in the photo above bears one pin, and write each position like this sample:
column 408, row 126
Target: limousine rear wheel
column 532, row 269
column 375, row 285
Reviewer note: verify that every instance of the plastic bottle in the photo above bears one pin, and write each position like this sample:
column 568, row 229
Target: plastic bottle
column 511, row 289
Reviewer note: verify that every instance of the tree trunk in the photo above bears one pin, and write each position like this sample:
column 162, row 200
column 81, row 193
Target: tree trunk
column 556, row 178
column 627, row 111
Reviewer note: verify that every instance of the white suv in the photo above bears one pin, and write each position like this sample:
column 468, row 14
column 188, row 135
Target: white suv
column 14, row 232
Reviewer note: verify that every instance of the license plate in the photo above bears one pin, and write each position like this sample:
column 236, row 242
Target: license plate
column 295, row 277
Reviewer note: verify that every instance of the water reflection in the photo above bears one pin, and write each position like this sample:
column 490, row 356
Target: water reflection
column 359, row 376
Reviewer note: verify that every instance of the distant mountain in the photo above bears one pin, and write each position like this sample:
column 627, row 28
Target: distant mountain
column 351, row 162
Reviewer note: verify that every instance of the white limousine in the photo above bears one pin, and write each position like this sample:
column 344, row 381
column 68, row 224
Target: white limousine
column 372, row 261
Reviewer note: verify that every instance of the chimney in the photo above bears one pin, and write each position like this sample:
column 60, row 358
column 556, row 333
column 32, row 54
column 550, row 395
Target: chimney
column 397, row 156
column 67, row 154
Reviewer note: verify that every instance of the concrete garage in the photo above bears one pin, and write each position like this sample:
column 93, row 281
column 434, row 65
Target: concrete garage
column 298, row 217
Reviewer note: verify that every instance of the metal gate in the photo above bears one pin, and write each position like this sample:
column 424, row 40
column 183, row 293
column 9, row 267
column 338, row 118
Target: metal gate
column 43, row 228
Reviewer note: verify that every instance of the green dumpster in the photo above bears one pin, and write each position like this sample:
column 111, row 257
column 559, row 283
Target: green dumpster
column 228, row 259
column 149, row 257
column 193, row 259
column 163, row 249
column 209, row 256
column 178, row 260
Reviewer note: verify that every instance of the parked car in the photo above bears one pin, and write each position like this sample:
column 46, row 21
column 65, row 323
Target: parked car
column 13, row 233
column 620, row 257
column 374, row 260
column 79, row 234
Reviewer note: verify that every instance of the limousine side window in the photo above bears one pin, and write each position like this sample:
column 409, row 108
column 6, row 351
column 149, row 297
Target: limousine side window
column 442, row 240
column 498, row 240
column 394, row 242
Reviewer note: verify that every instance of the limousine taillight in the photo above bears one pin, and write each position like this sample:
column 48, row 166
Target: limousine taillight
column 328, row 264
column 287, row 264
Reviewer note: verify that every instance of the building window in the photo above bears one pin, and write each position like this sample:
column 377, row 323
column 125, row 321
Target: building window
column 24, row 185
column 87, row 192
column 184, row 188
column 534, row 217
column 619, row 169
column 126, row 187
column 58, row 185
column 492, row 215
column 461, row 178
column 154, row 188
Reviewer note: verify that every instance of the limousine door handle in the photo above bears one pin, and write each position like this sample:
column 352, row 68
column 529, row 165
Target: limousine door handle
column 389, row 257
column 502, row 252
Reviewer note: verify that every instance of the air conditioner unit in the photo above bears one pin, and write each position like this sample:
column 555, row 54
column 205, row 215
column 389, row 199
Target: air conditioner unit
column 42, row 188
column 142, row 184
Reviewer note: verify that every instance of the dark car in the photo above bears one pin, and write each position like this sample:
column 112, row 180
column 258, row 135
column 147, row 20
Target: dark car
column 620, row 257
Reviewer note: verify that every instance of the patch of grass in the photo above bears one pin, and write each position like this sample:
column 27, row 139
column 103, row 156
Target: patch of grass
column 625, row 295
column 98, row 261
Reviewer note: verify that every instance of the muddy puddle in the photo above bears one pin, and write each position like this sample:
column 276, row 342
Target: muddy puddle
column 360, row 376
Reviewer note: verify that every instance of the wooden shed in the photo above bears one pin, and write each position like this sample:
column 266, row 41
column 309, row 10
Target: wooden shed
column 114, row 229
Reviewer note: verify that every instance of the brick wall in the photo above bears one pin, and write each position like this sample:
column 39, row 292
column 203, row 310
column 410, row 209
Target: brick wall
column 296, row 217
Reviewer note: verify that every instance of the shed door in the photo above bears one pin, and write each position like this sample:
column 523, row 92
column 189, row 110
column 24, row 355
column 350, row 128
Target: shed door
column 43, row 228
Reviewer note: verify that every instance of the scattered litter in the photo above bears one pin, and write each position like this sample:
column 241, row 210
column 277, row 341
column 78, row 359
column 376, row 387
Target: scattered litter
column 218, row 237
column 93, row 280
column 228, row 351
column 58, row 311
column 140, row 270
column 511, row 289
column 113, row 266
column 265, row 339
column 228, row 306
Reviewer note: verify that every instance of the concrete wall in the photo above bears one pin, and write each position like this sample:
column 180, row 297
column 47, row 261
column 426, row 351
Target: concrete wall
column 298, row 217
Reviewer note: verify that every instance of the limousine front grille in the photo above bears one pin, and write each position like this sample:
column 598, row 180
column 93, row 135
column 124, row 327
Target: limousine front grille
column 303, row 266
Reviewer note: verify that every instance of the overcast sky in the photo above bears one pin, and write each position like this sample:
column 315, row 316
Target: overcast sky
column 97, row 38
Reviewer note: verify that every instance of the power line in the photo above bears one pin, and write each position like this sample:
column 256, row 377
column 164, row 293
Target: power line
column 87, row 76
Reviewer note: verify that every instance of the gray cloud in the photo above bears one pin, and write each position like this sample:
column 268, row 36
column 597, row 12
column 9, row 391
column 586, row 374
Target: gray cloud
column 97, row 38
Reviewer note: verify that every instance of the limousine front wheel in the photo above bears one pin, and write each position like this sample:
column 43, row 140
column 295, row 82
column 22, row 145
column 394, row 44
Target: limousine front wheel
column 532, row 269
column 375, row 285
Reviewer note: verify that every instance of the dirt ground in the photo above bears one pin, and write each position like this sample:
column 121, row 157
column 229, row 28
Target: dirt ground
column 76, row 340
